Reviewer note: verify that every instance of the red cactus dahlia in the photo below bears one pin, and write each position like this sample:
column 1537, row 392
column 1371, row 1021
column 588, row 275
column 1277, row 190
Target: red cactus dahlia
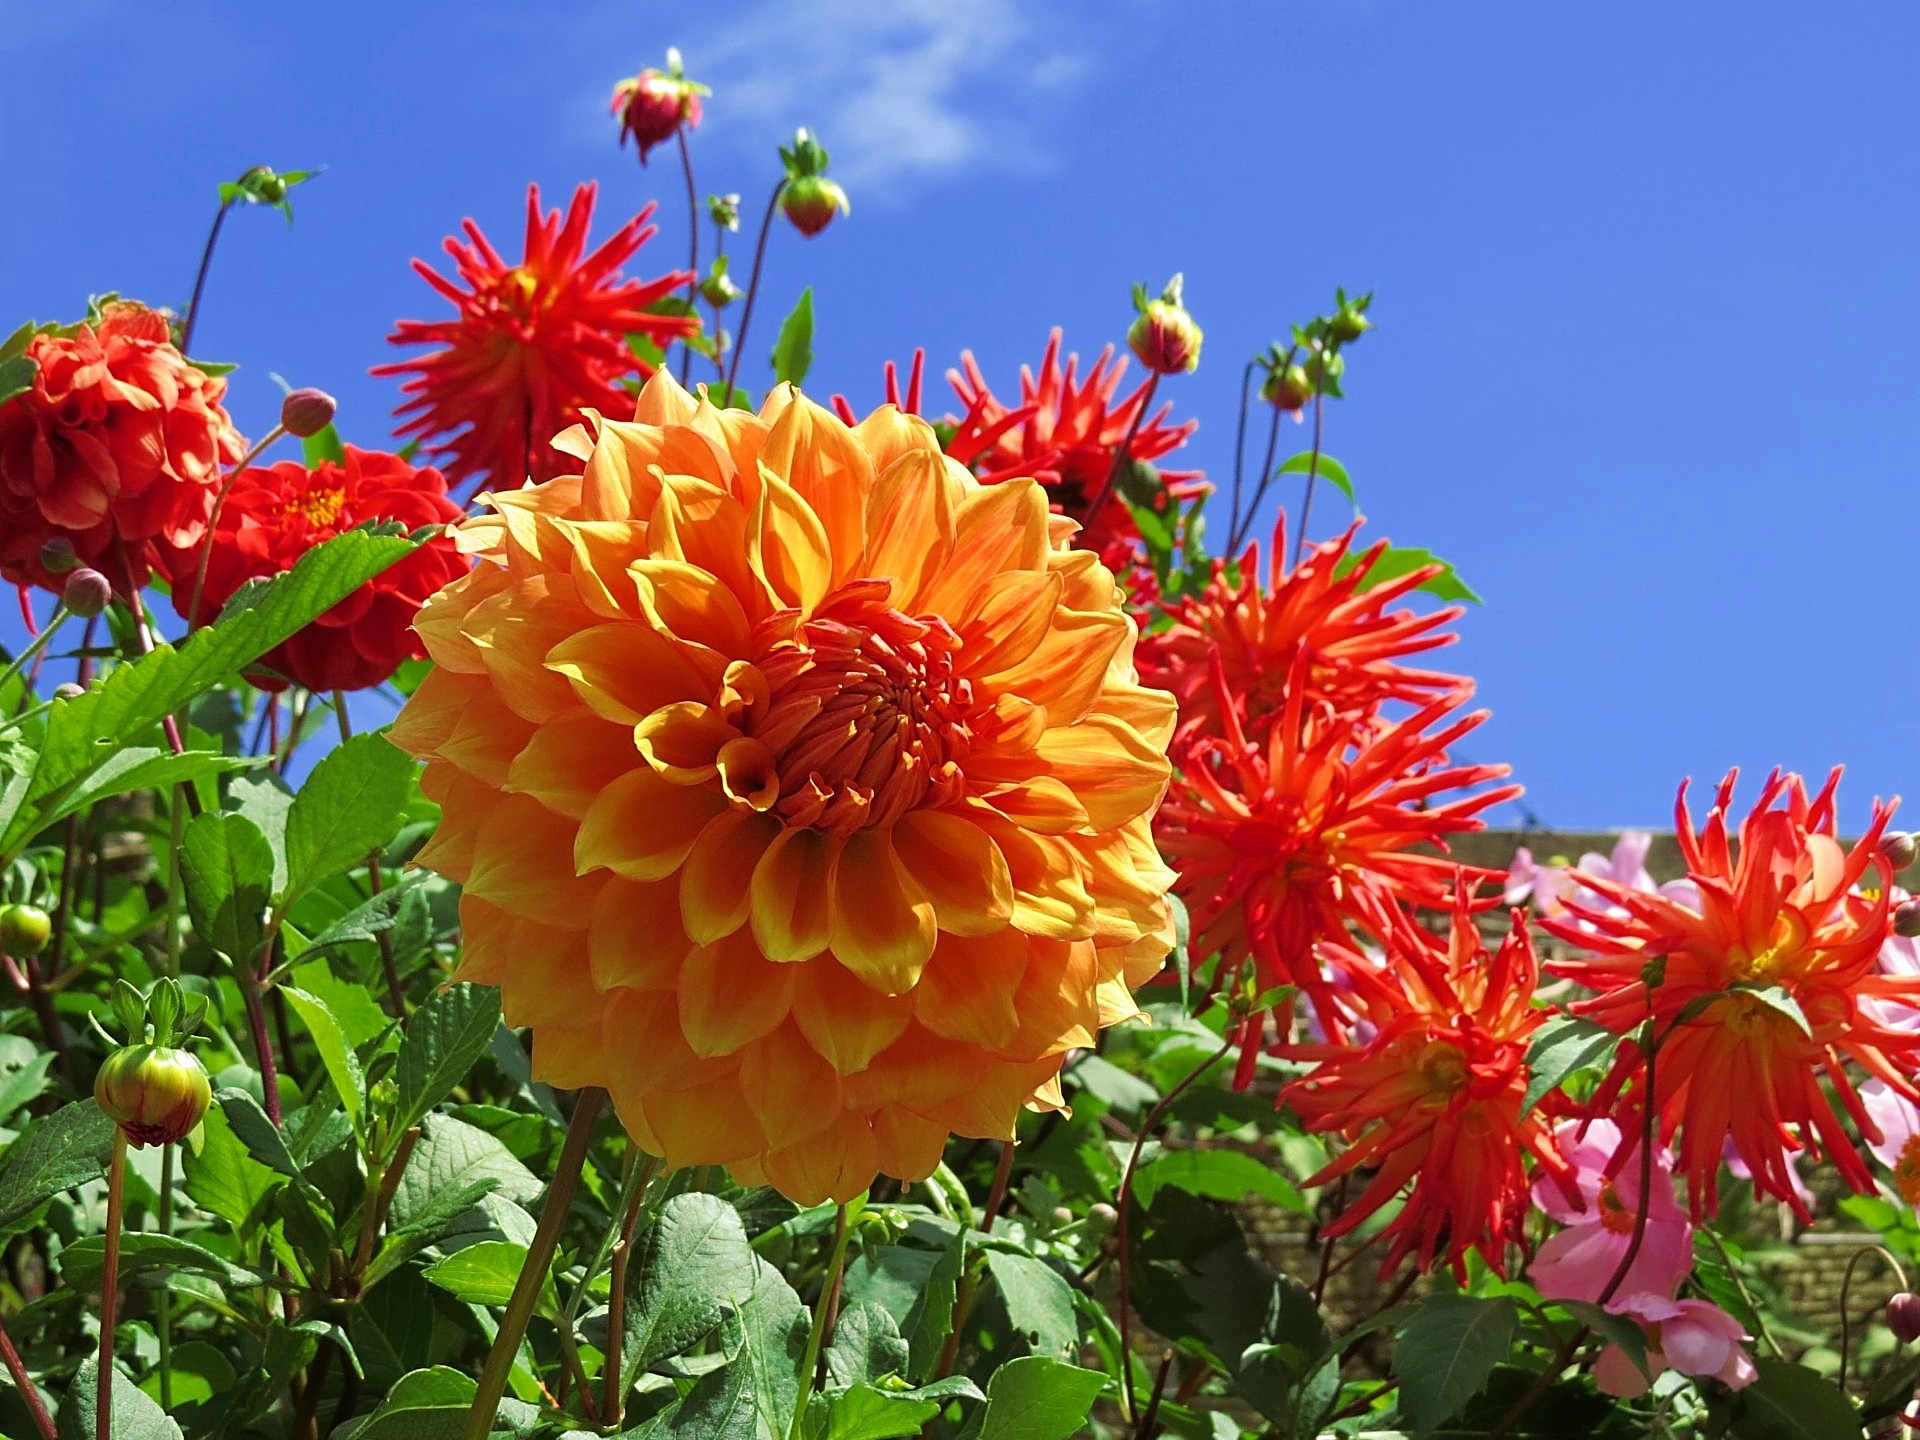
column 534, row 347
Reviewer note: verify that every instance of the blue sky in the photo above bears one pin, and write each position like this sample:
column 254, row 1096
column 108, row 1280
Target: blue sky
column 1646, row 359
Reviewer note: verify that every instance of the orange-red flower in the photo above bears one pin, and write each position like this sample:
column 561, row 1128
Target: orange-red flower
column 1433, row 1096
column 1283, row 844
column 1354, row 642
column 798, row 784
column 534, row 345
column 1063, row 433
column 119, row 442
column 273, row 514
column 1768, row 988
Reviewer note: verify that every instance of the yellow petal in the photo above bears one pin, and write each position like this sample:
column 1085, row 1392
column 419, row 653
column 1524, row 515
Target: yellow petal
column 959, row 868
column 570, row 760
column 1050, row 895
column 789, row 895
column 789, row 547
column 683, row 740
column 694, row 604
column 910, row 525
column 625, row 671
column 433, row 710
column 846, row 1021
column 1114, row 773
column 513, row 864
column 810, row 449
column 888, row 433
column 1068, row 667
column 515, row 629
column 1015, row 612
column 996, row 528
column 1039, row 803
column 642, row 826
column 715, row 881
column 882, row 924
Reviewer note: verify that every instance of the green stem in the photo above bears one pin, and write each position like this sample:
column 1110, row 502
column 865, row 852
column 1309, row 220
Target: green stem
column 639, row 1178
column 753, row 289
column 213, row 522
column 526, row 1290
column 822, row 1309
column 36, row 645
column 110, row 1287
column 693, row 252
column 163, row 1301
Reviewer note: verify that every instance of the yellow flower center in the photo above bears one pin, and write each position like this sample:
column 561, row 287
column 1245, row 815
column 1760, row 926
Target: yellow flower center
column 1906, row 1171
column 1443, row 1068
column 321, row 506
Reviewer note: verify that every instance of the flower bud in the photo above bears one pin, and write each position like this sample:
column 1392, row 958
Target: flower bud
column 1903, row 1316
column 1164, row 336
column 154, row 1093
column 87, row 593
column 57, row 556
column 1287, row 388
column 306, row 412
column 271, row 188
column 1900, row 848
column 24, row 930
column 1101, row 1218
column 811, row 202
column 654, row 104
column 69, row 691
column 724, row 211
column 719, row 291
column 1348, row 324
column 1906, row 919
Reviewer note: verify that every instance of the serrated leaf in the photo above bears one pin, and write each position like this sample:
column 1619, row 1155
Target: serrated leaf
column 1039, row 1302
column 444, row 1039
column 83, row 1263
column 224, row 1179
column 483, row 1274
column 1033, row 1398
column 772, row 1329
column 341, row 1064
column 793, row 350
column 1446, row 1351
column 228, row 869
column 67, row 1148
column 1563, row 1045
column 1228, row 1175
column 693, row 1266
column 135, row 1415
column 23, row 1073
column 350, row 806
column 866, row 1346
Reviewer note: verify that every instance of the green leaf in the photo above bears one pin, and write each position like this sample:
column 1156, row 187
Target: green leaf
column 1325, row 466
column 83, row 1263
column 360, row 1018
column 368, row 920
column 772, row 1325
column 719, row 1407
column 1777, row 999
column 1229, row 1175
column 85, row 732
column 1033, row 1398
column 287, row 1350
column 917, row 1287
column 350, row 806
column 23, row 1073
column 1560, row 1047
column 444, row 1040
column 145, row 767
column 253, row 1129
column 342, row 1066
column 223, row 1178
column 1446, row 1352
column 866, row 1345
column 694, row 1266
column 323, row 447
column 1791, row 1402
column 1398, row 560
column 482, row 1274
column 429, row 1404
column 17, row 374
column 135, row 1415
column 228, row 869
column 866, row 1412
column 793, row 351
column 67, row 1148
column 265, row 800
column 1039, row 1302
column 451, row 1155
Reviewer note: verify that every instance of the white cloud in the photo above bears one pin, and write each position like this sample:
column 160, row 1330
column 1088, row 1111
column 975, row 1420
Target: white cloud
column 898, row 91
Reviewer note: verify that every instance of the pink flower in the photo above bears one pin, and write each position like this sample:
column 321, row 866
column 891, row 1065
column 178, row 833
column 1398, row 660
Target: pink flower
column 1577, row 1263
column 1691, row 1336
column 1899, row 1145
column 1552, row 886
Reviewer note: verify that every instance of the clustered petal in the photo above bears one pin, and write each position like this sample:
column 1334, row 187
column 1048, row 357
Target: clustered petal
column 533, row 347
column 799, row 784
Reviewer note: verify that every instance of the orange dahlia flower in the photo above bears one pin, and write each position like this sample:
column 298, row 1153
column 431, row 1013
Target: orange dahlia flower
column 534, row 345
column 1434, row 1095
column 1283, row 844
column 273, row 514
column 1765, row 990
column 799, row 785
column 118, row 443
column 1354, row 643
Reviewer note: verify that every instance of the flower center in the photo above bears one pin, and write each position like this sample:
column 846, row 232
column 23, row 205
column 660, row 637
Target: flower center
column 1614, row 1213
column 863, row 716
column 321, row 506
column 1906, row 1171
column 1443, row 1068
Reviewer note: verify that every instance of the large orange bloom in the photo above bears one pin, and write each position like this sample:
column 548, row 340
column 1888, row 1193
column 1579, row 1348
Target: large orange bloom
column 116, row 447
column 1780, row 926
column 1434, row 1096
column 534, row 345
column 1355, row 643
column 1285, row 843
column 799, row 784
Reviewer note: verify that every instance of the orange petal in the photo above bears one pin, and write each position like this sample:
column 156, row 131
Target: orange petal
column 1050, row 895
column 1067, row 669
column 682, row 740
column 486, row 738
column 570, row 760
column 910, row 1146
column 887, row 434
column 789, row 546
column 959, row 868
column 548, row 980
column 485, row 955
column 837, row 1164
column 646, row 1052
column 706, row 527
column 515, row 629
column 881, row 923
column 792, row 1090
column 625, row 671
column 464, row 803
column 519, row 864
column 918, row 1071
column 910, row 525
column 710, row 1124
column 1058, row 1001
column 1015, row 612
column 1039, row 803
column 731, row 994
column 568, row 1059
column 433, row 710
column 642, row 826
column 846, row 1021
column 441, row 623
column 716, row 880
column 634, row 935
column 748, row 773
column 996, row 528
column 990, row 1108
column 968, row 989
column 600, row 552
column 810, row 449
column 1111, row 770
column 684, row 600
column 789, row 895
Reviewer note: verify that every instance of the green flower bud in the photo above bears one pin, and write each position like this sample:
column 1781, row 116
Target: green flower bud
column 154, row 1093
column 1164, row 336
column 24, row 930
column 1287, row 388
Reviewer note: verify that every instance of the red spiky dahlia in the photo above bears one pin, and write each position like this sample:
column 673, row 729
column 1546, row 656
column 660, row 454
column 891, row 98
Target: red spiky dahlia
column 1759, row 997
column 534, row 347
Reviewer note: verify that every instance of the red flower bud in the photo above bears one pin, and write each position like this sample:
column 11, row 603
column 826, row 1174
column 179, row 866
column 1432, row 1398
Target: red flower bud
column 87, row 593
column 1164, row 336
column 307, row 412
column 1906, row 919
column 57, row 556
column 1900, row 848
column 1903, row 1316
column 24, row 930
column 154, row 1093
column 811, row 202
column 654, row 104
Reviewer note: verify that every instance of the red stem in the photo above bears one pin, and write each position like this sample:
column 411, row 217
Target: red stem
column 29, row 1392
column 110, row 1287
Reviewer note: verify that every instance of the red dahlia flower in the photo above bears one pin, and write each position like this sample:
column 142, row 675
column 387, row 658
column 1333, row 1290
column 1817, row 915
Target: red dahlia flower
column 119, row 438
column 534, row 347
column 1767, row 988
column 654, row 104
column 1353, row 642
column 273, row 514
column 1434, row 1096
column 1283, row 844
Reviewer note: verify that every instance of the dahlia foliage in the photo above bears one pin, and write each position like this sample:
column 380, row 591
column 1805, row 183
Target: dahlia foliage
column 830, row 914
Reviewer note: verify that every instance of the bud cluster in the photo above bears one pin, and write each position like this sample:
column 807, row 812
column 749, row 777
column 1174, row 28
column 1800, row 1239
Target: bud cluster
column 1312, row 364
column 153, row 1088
